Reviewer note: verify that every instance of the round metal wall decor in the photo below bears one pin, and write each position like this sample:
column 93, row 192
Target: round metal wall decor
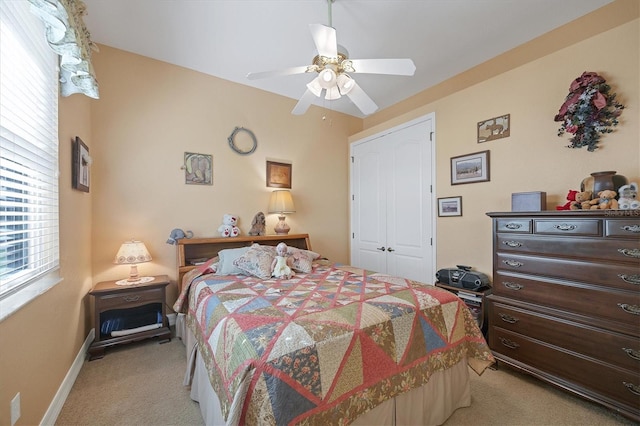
column 232, row 142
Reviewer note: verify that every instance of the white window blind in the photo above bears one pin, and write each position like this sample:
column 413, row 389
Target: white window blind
column 29, row 235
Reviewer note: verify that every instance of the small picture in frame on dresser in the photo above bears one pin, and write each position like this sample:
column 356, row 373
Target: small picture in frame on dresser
column 450, row 206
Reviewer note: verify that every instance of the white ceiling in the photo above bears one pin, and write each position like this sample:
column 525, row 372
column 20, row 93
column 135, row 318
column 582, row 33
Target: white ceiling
column 230, row 38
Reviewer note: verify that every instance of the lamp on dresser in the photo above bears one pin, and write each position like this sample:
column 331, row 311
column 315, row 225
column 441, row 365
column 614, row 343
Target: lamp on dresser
column 132, row 253
column 281, row 203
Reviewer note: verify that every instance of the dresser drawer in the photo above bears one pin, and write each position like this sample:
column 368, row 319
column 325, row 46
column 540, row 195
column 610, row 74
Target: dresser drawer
column 612, row 348
column 572, row 227
column 626, row 228
column 131, row 299
column 622, row 276
column 600, row 379
column 590, row 301
column 593, row 248
column 522, row 226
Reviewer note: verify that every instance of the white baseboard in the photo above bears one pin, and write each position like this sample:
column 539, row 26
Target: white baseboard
column 56, row 405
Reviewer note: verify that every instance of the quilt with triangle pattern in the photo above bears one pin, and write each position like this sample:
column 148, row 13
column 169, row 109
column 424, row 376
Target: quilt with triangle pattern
column 326, row 346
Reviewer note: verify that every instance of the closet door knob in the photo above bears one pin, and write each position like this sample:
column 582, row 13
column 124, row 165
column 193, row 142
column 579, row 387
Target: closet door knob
column 381, row 248
column 390, row 249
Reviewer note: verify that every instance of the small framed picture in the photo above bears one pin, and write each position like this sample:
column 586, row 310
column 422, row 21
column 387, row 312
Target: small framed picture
column 198, row 169
column 81, row 163
column 494, row 128
column 450, row 206
column 470, row 168
column 278, row 175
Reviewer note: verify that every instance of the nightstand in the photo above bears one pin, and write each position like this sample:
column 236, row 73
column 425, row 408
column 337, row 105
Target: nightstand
column 127, row 313
column 475, row 301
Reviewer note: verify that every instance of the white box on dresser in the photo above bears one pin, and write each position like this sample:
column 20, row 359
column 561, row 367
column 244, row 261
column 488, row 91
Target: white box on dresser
column 566, row 301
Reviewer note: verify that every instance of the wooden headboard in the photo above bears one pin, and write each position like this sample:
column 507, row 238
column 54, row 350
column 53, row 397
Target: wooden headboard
column 198, row 248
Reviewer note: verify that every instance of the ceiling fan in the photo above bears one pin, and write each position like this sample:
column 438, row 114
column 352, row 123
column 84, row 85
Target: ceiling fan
column 334, row 69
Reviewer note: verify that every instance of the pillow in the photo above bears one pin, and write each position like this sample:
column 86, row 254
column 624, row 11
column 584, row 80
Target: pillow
column 227, row 257
column 302, row 259
column 257, row 261
column 210, row 266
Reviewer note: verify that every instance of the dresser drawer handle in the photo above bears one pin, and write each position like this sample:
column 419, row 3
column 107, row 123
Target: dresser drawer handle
column 508, row 318
column 634, row 389
column 509, row 343
column 565, row 227
column 635, row 253
column 131, row 298
column 631, row 228
column 513, row 263
column 631, row 279
column 631, row 309
column 513, row 286
column 513, row 226
column 512, row 243
column 632, row 353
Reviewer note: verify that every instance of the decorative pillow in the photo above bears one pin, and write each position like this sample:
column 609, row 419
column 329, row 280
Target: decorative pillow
column 302, row 259
column 227, row 257
column 257, row 261
column 210, row 266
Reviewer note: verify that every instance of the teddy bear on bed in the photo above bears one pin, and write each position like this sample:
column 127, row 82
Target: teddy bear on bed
column 606, row 200
column 229, row 226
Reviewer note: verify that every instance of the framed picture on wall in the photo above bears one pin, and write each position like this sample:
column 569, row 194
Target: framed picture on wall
column 81, row 163
column 198, row 169
column 470, row 168
column 450, row 206
column 278, row 175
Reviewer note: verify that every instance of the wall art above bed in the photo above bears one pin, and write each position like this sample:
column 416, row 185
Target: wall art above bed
column 198, row 169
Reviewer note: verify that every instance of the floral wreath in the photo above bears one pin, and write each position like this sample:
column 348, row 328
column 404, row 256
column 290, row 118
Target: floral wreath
column 588, row 111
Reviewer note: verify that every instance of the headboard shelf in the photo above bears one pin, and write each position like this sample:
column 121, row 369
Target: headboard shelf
column 198, row 248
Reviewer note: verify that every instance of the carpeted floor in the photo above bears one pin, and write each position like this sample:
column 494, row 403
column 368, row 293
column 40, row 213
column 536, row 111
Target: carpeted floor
column 141, row 384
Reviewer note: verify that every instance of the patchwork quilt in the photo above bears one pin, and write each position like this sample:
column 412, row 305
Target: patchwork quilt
column 326, row 346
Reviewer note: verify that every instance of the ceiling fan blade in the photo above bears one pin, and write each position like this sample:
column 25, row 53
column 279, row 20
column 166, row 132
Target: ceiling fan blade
column 384, row 66
column 277, row 73
column 325, row 39
column 362, row 100
column 304, row 103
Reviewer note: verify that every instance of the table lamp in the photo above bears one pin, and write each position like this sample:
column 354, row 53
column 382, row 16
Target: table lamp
column 132, row 253
column 281, row 202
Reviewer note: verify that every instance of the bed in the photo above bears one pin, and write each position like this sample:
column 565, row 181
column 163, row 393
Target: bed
column 334, row 344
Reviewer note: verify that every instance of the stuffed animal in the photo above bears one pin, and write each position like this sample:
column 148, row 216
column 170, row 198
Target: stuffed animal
column 258, row 224
column 571, row 197
column 582, row 201
column 177, row 234
column 628, row 199
column 229, row 226
column 606, row 200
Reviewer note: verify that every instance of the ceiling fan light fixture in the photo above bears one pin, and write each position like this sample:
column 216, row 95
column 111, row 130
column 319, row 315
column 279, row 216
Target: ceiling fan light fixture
column 327, row 78
column 315, row 87
column 333, row 93
column 345, row 83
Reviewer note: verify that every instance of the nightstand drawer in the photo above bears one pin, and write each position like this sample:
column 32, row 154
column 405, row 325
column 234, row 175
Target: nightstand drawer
column 131, row 299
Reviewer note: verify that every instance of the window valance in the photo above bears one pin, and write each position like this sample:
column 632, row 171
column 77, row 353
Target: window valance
column 68, row 37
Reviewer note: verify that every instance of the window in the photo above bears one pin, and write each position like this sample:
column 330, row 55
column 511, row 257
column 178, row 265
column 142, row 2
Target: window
column 29, row 249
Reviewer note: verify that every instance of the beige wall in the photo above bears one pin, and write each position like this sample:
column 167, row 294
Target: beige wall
column 151, row 112
column 39, row 342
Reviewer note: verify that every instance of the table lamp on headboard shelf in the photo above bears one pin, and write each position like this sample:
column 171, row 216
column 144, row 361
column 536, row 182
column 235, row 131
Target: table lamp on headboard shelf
column 281, row 203
column 131, row 253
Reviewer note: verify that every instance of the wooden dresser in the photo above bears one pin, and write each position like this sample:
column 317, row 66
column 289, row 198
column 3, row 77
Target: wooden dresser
column 565, row 305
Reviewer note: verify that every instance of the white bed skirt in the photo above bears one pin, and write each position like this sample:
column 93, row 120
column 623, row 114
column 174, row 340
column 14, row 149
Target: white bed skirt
column 431, row 404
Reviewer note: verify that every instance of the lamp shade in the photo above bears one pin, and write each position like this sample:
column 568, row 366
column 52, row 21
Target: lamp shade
column 281, row 202
column 132, row 252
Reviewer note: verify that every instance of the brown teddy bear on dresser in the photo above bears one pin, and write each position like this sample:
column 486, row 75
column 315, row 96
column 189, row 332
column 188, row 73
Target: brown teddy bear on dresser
column 582, row 201
column 606, row 200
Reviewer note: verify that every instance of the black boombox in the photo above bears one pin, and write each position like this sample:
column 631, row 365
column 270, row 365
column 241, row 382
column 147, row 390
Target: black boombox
column 463, row 277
